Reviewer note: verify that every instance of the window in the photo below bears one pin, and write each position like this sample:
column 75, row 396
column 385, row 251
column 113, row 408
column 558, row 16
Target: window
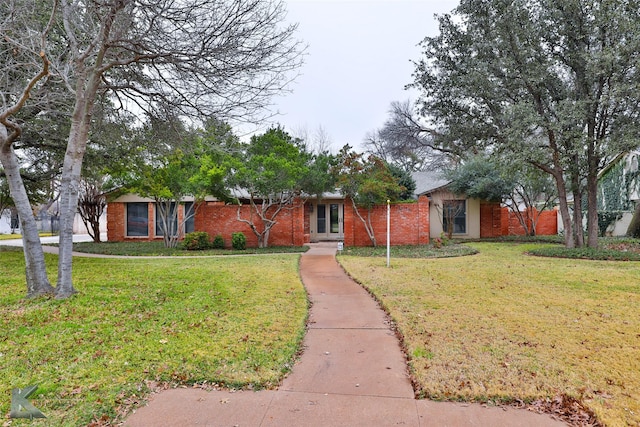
column 137, row 219
column 322, row 219
column 334, row 218
column 189, row 213
column 172, row 219
column 454, row 216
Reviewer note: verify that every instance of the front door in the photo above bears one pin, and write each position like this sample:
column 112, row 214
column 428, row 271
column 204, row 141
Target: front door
column 329, row 221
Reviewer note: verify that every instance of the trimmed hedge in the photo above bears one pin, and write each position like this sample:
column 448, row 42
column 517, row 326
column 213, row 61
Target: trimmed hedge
column 196, row 241
column 585, row 253
column 218, row 242
column 239, row 241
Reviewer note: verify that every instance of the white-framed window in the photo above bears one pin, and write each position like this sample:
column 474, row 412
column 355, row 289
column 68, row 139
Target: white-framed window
column 454, row 216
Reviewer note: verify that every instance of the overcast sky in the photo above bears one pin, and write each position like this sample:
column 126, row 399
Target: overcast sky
column 358, row 62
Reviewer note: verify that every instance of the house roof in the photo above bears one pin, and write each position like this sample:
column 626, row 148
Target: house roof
column 428, row 182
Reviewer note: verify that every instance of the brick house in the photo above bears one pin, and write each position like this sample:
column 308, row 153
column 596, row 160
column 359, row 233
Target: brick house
column 134, row 218
column 131, row 218
column 473, row 218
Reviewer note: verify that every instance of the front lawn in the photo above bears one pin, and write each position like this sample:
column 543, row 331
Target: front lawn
column 502, row 326
column 450, row 249
column 140, row 323
column 156, row 248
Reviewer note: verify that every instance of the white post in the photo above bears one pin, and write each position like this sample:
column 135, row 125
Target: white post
column 388, row 233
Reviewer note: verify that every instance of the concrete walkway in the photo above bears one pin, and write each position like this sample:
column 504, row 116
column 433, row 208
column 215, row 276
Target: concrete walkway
column 53, row 239
column 352, row 373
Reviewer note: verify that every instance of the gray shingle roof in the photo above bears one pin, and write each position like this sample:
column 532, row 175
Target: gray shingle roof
column 426, row 182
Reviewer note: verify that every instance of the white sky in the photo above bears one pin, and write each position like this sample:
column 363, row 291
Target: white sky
column 358, row 62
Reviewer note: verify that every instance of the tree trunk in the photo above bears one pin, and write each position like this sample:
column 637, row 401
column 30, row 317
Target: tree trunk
column 578, row 227
column 592, row 206
column 569, row 241
column 86, row 89
column 95, row 230
column 592, row 188
column 519, row 216
column 36, row 272
column 69, row 190
column 366, row 222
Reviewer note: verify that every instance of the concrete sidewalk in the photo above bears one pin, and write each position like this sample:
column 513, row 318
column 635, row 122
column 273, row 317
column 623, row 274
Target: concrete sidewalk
column 352, row 373
column 52, row 239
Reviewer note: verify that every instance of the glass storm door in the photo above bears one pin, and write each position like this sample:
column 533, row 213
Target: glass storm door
column 329, row 220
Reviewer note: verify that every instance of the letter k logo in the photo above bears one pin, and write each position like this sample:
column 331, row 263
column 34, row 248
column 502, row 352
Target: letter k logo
column 20, row 406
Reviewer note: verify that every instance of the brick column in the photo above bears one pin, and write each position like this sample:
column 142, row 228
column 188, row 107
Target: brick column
column 115, row 222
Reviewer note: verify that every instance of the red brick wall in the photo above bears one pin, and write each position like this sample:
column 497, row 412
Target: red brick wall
column 492, row 223
column 409, row 224
column 215, row 218
column 115, row 222
column 496, row 221
column 547, row 224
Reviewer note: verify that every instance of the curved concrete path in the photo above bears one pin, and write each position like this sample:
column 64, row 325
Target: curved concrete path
column 352, row 373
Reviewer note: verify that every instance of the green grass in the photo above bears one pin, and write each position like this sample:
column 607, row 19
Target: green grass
column 10, row 236
column 156, row 248
column 19, row 236
column 502, row 326
column 609, row 249
column 602, row 254
column 137, row 323
column 423, row 251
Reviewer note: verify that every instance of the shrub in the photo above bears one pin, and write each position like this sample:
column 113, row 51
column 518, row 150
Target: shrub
column 239, row 241
column 218, row 242
column 585, row 253
column 196, row 241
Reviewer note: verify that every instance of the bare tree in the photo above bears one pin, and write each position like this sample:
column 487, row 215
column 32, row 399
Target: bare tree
column 319, row 142
column 403, row 140
column 534, row 192
column 92, row 203
column 24, row 68
column 222, row 58
column 449, row 208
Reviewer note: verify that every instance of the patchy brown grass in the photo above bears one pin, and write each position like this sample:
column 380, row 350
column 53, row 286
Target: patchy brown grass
column 504, row 327
column 140, row 324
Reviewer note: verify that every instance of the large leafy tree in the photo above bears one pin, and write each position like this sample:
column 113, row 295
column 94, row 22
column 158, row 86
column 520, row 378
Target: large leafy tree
column 173, row 179
column 526, row 190
column 480, row 178
column 547, row 82
column 222, row 58
column 271, row 173
column 367, row 181
column 179, row 167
